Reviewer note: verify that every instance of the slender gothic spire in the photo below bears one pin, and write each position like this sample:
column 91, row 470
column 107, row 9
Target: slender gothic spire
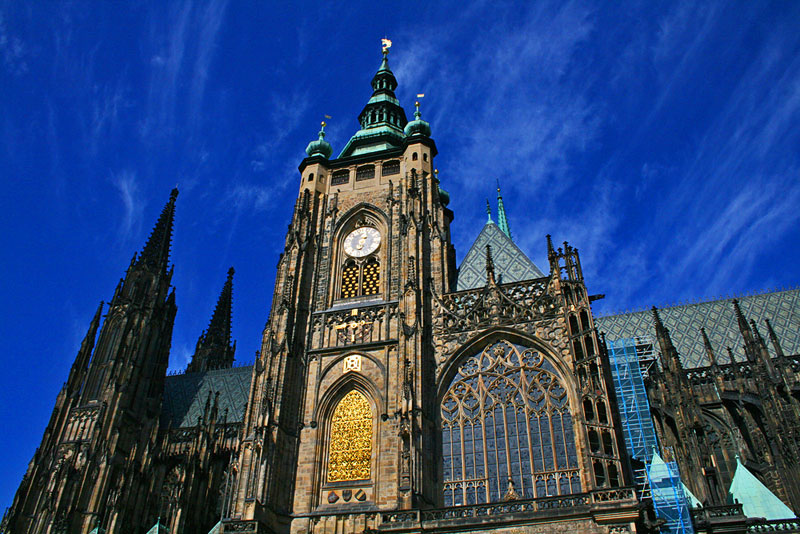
column 214, row 347
column 775, row 343
column 709, row 350
column 490, row 280
column 668, row 352
column 747, row 334
column 502, row 222
column 81, row 363
column 488, row 212
column 155, row 253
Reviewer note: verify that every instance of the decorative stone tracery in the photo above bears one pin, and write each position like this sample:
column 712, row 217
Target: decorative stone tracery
column 350, row 455
column 506, row 417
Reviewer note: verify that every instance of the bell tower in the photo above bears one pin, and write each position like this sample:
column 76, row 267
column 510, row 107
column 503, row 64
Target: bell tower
column 338, row 417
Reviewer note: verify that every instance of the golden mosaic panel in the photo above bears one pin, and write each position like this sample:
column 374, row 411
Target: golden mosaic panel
column 372, row 278
column 350, row 454
column 350, row 281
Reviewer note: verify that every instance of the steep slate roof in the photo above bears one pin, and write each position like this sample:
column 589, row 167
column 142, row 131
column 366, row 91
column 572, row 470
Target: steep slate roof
column 757, row 500
column 510, row 263
column 782, row 308
column 185, row 395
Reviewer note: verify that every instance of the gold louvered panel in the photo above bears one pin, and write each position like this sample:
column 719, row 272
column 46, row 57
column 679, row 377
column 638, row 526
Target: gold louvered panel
column 372, row 278
column 351, row 439
column 350, row 281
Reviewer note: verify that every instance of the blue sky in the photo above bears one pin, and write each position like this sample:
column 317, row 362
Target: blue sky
column 660, row 138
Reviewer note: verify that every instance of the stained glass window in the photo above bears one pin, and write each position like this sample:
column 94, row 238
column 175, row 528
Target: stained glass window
column 350, row 454
column 506, row 416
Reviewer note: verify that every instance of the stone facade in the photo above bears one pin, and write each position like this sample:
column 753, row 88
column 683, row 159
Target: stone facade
column 341, row 425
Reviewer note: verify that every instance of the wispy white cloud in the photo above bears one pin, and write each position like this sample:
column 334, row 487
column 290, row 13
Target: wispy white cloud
column 132, row 205
column 13, row 50
column 285, row 116
column 249, row 197
column 183, row 45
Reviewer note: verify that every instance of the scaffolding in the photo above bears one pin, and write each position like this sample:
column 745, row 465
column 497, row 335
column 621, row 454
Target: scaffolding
column 658, row 481
column 640, row 435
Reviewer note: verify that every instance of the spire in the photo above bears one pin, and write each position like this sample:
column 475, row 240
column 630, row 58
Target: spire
column 774, row 339
column 761, row 349
column 488, row 212
column 84, row 354
column 490, row 280
column 214, row 348
column 382, row 120
column 502, row 222
column 668, row 352
column 731, row 357
column 551, row 251
column 156, row 251
column 709, row 350
column 747, row 334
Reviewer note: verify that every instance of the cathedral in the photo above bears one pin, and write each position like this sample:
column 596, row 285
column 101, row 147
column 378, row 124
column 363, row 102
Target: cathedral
column 396, row 391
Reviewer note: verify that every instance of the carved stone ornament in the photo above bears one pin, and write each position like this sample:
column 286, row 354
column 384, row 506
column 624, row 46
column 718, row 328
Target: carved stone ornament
column 458, row 315
column 351, row 363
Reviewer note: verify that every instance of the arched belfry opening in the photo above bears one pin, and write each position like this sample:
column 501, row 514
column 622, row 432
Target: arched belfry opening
column 507, row 428
column 361, row 257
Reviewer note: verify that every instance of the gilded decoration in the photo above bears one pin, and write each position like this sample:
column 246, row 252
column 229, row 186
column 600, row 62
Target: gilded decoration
column 350, row 454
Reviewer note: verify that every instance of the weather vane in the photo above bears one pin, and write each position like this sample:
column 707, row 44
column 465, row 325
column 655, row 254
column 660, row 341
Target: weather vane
column 386, row 44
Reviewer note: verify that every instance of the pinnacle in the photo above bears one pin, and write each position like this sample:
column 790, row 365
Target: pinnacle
column 502, row 221
column 219, row 329
column 156, row 251
column 214, row 347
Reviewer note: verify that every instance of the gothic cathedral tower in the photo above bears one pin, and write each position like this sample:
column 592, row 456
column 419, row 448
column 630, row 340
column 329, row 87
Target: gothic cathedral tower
column 341, row 402
column 381, row 393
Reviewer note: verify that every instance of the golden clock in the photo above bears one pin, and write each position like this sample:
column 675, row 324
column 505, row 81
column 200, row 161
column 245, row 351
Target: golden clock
column 362, row 241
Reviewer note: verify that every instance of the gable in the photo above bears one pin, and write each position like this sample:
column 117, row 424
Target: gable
column 510, row 263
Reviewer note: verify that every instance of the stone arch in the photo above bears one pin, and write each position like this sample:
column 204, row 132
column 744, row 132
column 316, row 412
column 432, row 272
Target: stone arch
column 328, row 404
column 508, row 409
column 363, row 276
column 477, row 342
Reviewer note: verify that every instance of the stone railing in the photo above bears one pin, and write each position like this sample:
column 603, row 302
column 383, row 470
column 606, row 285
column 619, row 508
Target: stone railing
column 777, row 525
column 503, row 304
column 354, row 325
column 526, row 506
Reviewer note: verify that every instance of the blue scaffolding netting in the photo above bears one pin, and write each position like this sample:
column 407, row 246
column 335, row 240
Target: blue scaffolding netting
column 663, row 480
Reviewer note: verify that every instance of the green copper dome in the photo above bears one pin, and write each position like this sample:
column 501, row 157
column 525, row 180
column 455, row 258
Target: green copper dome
column 417, row 126
column 320, row 147
column 444, row 197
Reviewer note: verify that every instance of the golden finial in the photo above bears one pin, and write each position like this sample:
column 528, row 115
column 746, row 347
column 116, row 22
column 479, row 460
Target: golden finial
column 386, row 44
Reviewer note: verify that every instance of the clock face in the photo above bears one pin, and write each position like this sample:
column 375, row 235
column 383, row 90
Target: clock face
column 362, row 241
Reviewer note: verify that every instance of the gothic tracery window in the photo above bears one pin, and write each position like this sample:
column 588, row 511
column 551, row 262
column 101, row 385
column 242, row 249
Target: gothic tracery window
column 350, row 455
column 506, row 417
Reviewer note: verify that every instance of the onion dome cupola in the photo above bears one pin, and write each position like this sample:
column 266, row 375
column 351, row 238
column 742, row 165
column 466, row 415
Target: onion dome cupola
column 382, row 120
column 320, row 147
column 417, row 126
column 444, row 196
